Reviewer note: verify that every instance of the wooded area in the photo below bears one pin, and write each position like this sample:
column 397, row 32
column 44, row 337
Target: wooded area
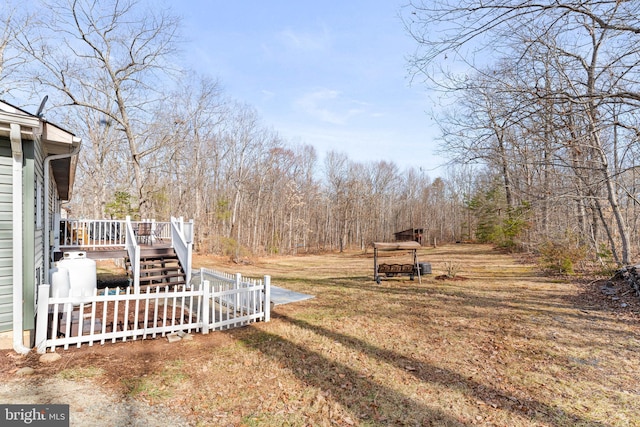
column 541, row 126
column 553, row 115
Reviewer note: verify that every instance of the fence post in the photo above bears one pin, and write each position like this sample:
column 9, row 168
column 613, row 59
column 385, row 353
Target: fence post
column 206, row 291
column 267, row 298
column 42, row 325
column 136, row 270
column 237, row 293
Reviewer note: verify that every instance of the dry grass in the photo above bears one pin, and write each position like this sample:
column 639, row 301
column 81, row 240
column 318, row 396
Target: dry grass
column 504, row 347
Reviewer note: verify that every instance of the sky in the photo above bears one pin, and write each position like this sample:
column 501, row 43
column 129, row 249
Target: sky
column 332, row 73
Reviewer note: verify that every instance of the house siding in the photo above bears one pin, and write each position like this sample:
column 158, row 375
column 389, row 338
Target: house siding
column 29, row 266
column 32, row 223
column 6, row 236
column 39, row 205
column 39, row 221
column 33, row 244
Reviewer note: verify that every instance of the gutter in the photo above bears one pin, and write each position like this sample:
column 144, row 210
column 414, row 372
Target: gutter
column 17, row 155
column 47, row 183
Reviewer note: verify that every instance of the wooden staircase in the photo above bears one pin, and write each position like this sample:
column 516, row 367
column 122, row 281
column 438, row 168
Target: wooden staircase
column 159, row 267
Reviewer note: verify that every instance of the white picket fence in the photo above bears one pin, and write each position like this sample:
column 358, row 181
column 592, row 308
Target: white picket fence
column 213, row 301
column 235, row 294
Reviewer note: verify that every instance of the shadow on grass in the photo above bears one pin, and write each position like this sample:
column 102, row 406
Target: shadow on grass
column 367, row 400
column 359, row 398
column 414, row 292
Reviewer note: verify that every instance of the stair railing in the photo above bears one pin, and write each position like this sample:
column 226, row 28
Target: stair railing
column 133, row 250
column 182, row 243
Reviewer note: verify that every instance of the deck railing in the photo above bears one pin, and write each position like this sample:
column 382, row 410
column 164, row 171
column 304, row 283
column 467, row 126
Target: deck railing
column 182, row 243
column 89, row 234
column 118, row 314
column 92, row 234
column 133, row 250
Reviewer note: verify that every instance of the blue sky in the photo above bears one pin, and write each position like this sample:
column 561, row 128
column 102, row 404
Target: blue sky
column 332, row 74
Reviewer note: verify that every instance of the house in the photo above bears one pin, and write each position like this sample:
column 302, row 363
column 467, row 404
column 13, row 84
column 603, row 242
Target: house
column 37, row 169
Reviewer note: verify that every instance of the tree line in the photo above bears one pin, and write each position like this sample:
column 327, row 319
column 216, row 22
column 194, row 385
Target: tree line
column 541, row 128
column 546, row 102
column 160, row 140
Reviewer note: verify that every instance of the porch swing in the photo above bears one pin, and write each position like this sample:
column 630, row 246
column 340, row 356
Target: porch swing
column 407, row 269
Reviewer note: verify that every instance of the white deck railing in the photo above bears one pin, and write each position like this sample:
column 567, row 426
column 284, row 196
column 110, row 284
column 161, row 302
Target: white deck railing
column 117, row 314
column 133, row 250
column 181, row 241
column 92, row 234
column 89, row 233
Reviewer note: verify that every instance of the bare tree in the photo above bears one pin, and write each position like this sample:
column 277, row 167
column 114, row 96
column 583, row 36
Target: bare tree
column 111, row 57
column 13, row 21
column 187, row 130
column 102, row 164
column 591, row 49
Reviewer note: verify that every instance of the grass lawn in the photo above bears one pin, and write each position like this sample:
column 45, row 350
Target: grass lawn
column 505, row 346
column 502, row 345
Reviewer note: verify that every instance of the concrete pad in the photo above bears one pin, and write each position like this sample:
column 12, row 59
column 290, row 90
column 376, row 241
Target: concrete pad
column 281, row 296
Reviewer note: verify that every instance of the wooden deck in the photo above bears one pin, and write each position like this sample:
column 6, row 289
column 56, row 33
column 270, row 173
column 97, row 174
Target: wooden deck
column 112, row 252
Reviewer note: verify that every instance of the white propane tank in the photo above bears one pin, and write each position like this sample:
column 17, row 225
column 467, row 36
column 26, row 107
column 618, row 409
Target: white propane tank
column 82, row 274
column 59, row 279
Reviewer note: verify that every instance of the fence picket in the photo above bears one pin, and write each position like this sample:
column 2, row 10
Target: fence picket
column 173, row 309
column 146, row 316
column 125, row 322
column 93, row 317
column 115, row 315
column 104, row 318
column 135, row 317
column 164, row 312
column 155, row 314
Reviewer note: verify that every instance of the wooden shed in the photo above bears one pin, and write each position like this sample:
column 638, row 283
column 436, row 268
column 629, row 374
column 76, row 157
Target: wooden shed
column 410, row 235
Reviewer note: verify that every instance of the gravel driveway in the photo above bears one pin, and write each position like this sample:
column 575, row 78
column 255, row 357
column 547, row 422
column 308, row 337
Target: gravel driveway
column 89, row 404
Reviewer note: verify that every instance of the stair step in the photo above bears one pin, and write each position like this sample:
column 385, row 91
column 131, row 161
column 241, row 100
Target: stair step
column 154, row 260
column 162, row 274
column 149, row 281
column 157, row 252
column 156, row 265
column 149, row 257
column 159, row 267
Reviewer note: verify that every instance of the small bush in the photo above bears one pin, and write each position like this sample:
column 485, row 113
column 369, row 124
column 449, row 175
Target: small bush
column 561, row 257
column 608, row 265
column 452, row 269
column 231, row 248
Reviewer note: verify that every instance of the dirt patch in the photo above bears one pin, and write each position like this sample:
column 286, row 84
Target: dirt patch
column 506, row 347
column 614, row 296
